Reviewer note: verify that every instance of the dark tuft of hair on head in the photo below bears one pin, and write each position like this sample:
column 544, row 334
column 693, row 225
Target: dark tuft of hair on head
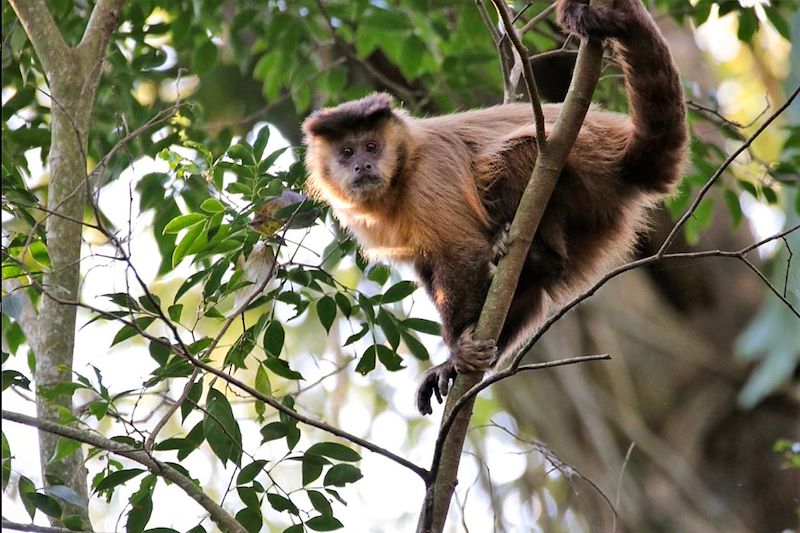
column 359, row 115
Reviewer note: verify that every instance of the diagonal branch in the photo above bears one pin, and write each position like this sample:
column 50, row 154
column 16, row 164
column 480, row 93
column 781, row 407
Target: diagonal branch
column 47, row 41
column 219, row 515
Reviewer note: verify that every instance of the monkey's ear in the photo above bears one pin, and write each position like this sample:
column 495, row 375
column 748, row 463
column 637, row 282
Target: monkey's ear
column 358, row 115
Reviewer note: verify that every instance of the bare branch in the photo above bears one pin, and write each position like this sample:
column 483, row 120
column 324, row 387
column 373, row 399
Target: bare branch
column 33, row 528
column 47, row 41
column 530, row 80
column 713, row 179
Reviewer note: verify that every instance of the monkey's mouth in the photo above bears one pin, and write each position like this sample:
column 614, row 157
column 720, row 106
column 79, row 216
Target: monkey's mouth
column 365, row 182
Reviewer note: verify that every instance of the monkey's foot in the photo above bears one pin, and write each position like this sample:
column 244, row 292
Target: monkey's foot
column 470, row 355
column 436, row 381
column 598, row 22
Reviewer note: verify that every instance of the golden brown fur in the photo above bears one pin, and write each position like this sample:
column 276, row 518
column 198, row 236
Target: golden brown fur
column 436, row 192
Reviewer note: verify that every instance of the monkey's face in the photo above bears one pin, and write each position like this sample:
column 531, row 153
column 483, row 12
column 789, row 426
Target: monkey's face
column 360, row 167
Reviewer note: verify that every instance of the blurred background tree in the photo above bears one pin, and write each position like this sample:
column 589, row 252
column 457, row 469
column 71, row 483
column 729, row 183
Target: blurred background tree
column 190, row 214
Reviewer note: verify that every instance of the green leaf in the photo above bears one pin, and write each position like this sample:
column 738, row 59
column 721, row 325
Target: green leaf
column 281, row 368
column 357, row 336
column 281, row 504
column 221, row 429
column 116, row 478
column 241, row 349
column 398, row 291
column 26, row 489
column 250, row 519
column 64, row 448
column 6, row 461
column 262, row 381
column 778, row 21
column 748, row 24
column 46, row 504
column 320, row 502
column 273, row 338
column 342, row 474
column 249, row 472
column 273, row 431
column 212, row 205
column 195, row 393
column 243, row 153
column 186, row 242
column 12, row 377
column 367, row 362
column 324, row 523
column 249, row 496
column 334, row 450
column 66, row 494
column 366, row 306
column 379, row 273
column 344, row 304
column 412, row 54
column 387, row 323
column 193, row 440
column 326, row 311
column 128, row 331
column 74, row 523
column 422, row 325
column 734, row 208
column 312, row 467
column 769, row 194
column 387, row 357
column 416, row 348
column 183, row 221
column 141, row 506
column 124, row 300
column 261, row 142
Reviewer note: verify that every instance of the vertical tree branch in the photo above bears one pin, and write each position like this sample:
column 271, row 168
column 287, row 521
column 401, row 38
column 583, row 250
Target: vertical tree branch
column 548, row 166
column 73, row 75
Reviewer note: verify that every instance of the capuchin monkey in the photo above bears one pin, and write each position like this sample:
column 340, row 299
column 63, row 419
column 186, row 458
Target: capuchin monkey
column 439, row 193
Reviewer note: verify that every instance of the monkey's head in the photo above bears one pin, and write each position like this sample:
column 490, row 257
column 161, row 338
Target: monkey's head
column 356, row 150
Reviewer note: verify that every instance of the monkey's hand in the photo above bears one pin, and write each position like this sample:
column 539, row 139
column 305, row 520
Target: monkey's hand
column 500, row 247
column 597, row 22
column 468, row 355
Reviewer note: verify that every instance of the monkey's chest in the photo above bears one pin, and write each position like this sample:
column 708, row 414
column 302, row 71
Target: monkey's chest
column 394, row 240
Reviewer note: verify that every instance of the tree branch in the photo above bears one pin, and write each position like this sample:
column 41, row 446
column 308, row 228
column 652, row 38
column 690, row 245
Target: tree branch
column 220, row 516
column 713, row 179
column 47, row 41
column 33, row 528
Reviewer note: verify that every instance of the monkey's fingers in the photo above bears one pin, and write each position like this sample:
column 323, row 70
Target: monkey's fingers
column 436, row 381
column 501, row 245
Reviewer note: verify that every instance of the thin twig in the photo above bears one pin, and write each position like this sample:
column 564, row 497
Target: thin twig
column 690, row 211
column 530, row 80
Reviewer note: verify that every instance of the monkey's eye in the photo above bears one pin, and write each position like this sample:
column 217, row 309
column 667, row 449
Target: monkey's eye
column 347, row 151
column 370, row 147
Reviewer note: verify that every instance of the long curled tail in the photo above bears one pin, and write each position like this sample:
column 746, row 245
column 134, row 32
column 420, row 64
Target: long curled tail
column 655, row 151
